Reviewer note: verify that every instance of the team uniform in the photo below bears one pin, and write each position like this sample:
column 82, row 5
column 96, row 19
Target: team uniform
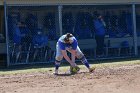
column 61, row 45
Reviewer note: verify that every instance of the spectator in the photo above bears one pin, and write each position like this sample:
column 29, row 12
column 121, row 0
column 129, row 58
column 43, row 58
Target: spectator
column 25, row 32
column 40, row 40
column 99, row 26
column 40, row 44
column 16, row 34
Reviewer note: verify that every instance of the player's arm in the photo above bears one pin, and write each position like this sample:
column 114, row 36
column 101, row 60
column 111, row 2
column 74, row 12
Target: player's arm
column 64, row 52
column 73, row 52
column 66, row 57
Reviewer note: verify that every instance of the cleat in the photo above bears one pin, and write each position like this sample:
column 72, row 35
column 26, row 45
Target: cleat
column 91, row 69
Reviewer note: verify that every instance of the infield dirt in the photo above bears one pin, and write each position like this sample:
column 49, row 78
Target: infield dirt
column 121, row 79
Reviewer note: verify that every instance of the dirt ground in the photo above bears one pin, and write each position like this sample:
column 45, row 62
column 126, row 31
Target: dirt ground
column 124, row 79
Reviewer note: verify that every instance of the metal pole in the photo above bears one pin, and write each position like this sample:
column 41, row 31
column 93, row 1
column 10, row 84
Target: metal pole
column 134, row 28
column 7, row 37
column 60, row 18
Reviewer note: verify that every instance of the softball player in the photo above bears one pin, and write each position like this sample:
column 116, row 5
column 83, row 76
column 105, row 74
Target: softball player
column 69, row 43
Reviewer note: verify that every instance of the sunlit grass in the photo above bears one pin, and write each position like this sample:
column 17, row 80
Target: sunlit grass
column 65, row 68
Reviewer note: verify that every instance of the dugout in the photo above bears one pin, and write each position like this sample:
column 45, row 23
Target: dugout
column 56, row 17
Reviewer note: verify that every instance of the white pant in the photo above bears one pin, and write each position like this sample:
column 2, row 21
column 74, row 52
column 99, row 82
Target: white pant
column 59, row 55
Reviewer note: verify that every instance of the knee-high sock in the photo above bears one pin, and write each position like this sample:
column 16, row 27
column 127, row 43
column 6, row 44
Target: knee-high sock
column 57, row 64
column 85, row 62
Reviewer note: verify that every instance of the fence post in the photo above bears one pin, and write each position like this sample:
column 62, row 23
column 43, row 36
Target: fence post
column 134, row 28
column 7, row 37
column 60, row 18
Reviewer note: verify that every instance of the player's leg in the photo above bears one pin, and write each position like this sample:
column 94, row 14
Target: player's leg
column 83, row 59
column 58, row 59
column 57, row 63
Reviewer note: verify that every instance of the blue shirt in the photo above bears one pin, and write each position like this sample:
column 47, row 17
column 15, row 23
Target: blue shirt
column 40, row 40
column 17, row 35
column 24, row 31
column 99, row 27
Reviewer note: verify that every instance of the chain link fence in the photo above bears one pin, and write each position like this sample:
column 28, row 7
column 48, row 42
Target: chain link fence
column 103, row 31
column 30, row 29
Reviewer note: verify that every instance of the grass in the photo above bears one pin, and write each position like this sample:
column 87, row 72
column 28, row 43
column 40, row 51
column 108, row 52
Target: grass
column 120, row 63
column 100, row 64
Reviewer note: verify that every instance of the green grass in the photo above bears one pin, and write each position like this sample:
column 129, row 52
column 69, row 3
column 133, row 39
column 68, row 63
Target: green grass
column 101, row 64
column 118, row 63
column 30, row 70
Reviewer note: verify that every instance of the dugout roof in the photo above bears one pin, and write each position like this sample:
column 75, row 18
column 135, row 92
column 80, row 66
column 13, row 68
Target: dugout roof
column 69, row 1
